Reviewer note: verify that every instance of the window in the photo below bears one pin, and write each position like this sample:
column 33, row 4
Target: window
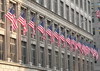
column 93, row 31
column 89, row 7
column 85, row 5
column 24, row 52
column 2, row 10
column 69, row 63
column 81, row 4
column 50, row 57
column 33, row 54
column 23, row 10
column 79, row 65
column 82, row 26
column 90, row 26
column 49, row 4
column 67, row 12
column 55, row 6
column 2, row 47
column 73, row 63
column 77, row 2
column 86, row 26
column 93, row 20
column 57, row 60
column 41, row 2
column 61, row 8
column 42, row 56
column 72, row 15
column 77, row 18
column 13, row 49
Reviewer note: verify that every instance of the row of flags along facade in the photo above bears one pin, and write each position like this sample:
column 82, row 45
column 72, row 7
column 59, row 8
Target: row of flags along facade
column 84, row 48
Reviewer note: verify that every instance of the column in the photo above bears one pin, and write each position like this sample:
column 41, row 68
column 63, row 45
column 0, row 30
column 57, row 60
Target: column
column 45, row 47
column 65, row 9
column 52, row 4
column 60, row 54
column 37, row 1
column 7, row 36
column 66, row 55
column 71, row 57
column 70, row 11
column 81, row 62
column 53, row 53
column 45, row 3
column 19, row 52
column 38, row 43
column 71, row 62
column 58, row 7
column 29, row 40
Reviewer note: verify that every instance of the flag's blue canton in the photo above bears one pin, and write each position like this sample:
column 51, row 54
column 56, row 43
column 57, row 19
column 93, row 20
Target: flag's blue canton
column 32, row 19
column 12, row 10
column 42, row 24
column 98, row 8
column 57, row 30
column 69, row 36
column 23, row 15
column 50, row 27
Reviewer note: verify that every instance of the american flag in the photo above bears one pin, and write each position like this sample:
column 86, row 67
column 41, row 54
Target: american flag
column 96, row 55
column 83, row 49
column 11, row 16
column 32, row 24
column 79, row 45
column 42, row 29
column 87, row 49
column 56, row 35
column 22, row 21
column 62, row 37
column 50, row 33
column 68, row 40
column 98, row 13
column 74, row 43
column 93, row 50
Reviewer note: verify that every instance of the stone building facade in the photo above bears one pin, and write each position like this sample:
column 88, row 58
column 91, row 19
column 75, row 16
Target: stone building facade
column 96, row 30
column 25, row 53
